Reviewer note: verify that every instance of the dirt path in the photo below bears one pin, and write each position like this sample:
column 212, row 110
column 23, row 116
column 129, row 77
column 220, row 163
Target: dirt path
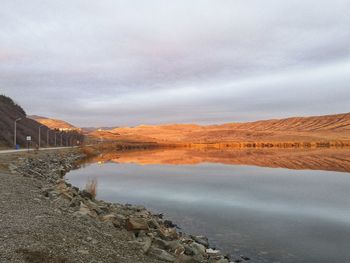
column 8, row 151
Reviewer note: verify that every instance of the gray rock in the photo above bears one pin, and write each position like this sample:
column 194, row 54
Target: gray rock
column 212, row 252
column 94, row 206
column 222, row 260
column 161, row 254
column 185, row 259
column 153, row 223
column 199, row 248
column 75, row 202
column 85, row 194
column 147, row 245
column 203, row 240
column 85, row 211
column 168, row 245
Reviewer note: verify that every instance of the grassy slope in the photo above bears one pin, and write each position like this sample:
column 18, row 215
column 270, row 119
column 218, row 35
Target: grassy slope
column 318, row 129
column 53, row 123
column 9, row 111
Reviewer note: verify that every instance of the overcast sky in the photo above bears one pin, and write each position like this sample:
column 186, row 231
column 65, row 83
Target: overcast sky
column 112, row 62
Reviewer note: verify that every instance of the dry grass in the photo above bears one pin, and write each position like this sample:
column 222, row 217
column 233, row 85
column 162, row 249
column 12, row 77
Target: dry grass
column 91, row 187
column 317, row 131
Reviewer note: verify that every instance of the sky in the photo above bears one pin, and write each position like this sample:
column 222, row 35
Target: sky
column 125, row 63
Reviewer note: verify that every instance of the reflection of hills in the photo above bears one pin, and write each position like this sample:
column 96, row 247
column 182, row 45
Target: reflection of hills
column 318, row 159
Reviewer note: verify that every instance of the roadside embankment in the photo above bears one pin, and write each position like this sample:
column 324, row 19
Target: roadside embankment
column 45, row 219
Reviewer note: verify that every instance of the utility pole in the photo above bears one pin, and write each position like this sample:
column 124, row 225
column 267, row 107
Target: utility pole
column 40, row 135
column 15, row 133
column 47, row 137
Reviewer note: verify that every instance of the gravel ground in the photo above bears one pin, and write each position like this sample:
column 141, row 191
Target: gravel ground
column 35, row 229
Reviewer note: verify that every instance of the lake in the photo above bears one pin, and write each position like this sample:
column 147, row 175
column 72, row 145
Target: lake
column 271, row 205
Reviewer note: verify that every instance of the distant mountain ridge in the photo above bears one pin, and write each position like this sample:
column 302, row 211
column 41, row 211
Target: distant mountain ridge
column 333, row 130
column 88, row 130
column 333, row 122
column 318, row 129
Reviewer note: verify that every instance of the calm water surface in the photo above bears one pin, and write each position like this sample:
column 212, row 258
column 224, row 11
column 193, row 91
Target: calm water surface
column 268, row 214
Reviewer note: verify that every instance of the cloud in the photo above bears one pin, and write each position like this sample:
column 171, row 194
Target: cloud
column 125, row 63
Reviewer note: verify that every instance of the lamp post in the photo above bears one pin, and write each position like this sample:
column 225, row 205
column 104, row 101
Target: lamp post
column 40, row 135
column 15, row 133
column 47, row 137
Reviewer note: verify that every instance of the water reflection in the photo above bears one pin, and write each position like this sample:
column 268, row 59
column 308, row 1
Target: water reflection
column 299, row 159
column 294, row 215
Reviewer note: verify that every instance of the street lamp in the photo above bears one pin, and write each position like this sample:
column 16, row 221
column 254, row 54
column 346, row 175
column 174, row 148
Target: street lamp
column 40, row 135
column 15, row 133
column 47, row 137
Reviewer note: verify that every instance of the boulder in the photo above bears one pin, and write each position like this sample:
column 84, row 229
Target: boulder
column 53, row 194
column 222, row 260
column 85, row 194
column 75, row 202
column 203, row 240
column 161, row 254
column 182, row 258
column 142, row 213
column 94, row 206
column 212, row 252
column 179, row 250
column 153, row 223
column 168, row 233
column 135, row 224
column 147, row 244
column 66, row 195
column 85, row 211
column 167, row 245
column 121, row 218
column 109, row 217
column 112, row 219
column 169, row 224
column 199, row 248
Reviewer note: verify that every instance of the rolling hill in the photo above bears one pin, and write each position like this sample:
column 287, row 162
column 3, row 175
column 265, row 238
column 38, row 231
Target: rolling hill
column 54, row 123
column 9, row 112
column 325, row 130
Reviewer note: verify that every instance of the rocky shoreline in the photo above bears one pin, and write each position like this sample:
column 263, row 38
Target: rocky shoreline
column 150, row 234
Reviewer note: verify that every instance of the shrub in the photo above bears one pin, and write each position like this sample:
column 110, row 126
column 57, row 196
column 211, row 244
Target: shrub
column 91, row 187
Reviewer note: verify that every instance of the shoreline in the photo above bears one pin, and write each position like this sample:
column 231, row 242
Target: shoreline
column 135, row 145
column 149, row 235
